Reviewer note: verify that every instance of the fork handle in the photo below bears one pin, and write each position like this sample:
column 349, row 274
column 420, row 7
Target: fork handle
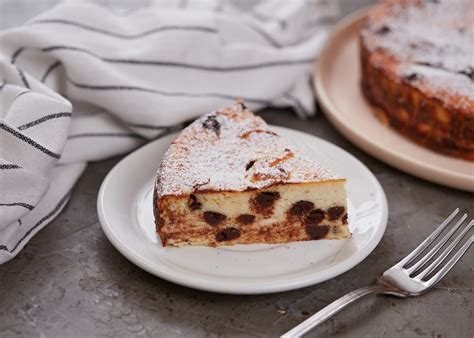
column 333, row 308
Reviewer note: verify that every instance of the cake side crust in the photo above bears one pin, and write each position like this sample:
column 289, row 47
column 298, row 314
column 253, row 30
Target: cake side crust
column 419, row 74
column 424, row 119
column 278, row 214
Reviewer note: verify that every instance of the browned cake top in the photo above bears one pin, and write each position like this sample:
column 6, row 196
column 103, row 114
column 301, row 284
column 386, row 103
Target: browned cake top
column 233, row 150
column 429, row 43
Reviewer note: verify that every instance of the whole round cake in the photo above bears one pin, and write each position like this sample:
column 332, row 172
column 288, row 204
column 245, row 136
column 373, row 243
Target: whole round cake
column 418, row 68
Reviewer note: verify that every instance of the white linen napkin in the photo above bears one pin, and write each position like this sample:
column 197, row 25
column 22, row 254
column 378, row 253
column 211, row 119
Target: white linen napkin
column 82, row 82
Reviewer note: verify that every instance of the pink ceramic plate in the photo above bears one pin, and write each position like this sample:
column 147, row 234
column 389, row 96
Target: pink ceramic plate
column 338, row 89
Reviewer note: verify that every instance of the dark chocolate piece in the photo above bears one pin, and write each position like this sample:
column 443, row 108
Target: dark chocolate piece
column 199, row 185
column 263, row 202
column 335, row 212
column 301, row 208
column 266, row 199
column 246, row 219
column 211, row 123
column 383, row 30
column 250, row 164
column 317, row 231
column 193, row 203
column 213, row 218
column 432, row 65
column 469, row 72
column 412, row 77
column 314, row 217
column 227, row 234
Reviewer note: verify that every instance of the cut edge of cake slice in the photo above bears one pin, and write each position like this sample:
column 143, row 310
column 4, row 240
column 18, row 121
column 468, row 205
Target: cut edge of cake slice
column 230, row 179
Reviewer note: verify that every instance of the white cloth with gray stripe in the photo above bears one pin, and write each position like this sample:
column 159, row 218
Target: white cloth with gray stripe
column 82, row 83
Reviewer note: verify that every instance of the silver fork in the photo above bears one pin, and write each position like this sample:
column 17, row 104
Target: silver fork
column 401, row 280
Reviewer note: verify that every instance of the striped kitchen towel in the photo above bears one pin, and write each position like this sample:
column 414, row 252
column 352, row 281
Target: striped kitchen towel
column 82, row 82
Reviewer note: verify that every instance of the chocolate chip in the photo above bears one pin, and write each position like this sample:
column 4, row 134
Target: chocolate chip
column 314, row 217
column 250, row 164
column 227, row 234
column 469, row 72
column 344, row 219
column 412, row 77
column 199, row 185
column 243, row 105
column 301, row 208
column 431, row 64
column 263, row 202
column 266, row 199
column 193, row 203
column 383, row 30
column 317, row 231
column 213, row 218
column 211, row 123
column 246, row 219
column 335, row 212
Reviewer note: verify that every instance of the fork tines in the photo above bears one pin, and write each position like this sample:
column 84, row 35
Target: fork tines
column 421, row 269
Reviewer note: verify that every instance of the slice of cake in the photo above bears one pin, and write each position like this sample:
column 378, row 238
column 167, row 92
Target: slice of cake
column 228, row 179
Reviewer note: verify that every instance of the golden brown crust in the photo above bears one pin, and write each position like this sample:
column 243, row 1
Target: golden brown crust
column 431, row 118
column 284, row 232
column 423, row 119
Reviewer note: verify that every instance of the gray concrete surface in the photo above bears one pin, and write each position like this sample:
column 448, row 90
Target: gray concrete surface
column 70, row 281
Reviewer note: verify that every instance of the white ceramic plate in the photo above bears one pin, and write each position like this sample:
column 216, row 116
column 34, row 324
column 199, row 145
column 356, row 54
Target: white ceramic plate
column 125, row 212
column 337, row 84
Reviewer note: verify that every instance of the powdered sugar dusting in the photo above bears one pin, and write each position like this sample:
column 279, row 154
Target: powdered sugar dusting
column 439, row 82
column 432, row 39
column 233, row 150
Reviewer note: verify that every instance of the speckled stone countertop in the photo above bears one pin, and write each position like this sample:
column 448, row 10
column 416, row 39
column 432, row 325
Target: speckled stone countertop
column 70, row 281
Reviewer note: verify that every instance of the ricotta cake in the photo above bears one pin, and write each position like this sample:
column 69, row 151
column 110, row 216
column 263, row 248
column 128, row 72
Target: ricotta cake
column 418, row 70
column 228, row 178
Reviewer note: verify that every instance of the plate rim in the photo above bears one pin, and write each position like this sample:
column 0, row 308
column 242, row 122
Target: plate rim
column 229, row 288
column 397, row 159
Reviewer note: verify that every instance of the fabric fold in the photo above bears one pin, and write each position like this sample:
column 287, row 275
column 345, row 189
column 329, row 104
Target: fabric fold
column 83, row 83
